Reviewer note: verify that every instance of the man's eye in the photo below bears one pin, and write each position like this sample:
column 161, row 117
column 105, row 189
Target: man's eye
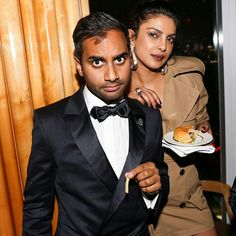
column 97, row 63
column 120, row 60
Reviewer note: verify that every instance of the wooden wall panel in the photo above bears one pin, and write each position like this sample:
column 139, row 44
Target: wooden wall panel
column 49, row 50
column 6, row 218
column 32, row 52
column 63, row 47
column 19, row 101
column 74, row 10
column 16, row 78
column 36, row 68
column 10, row 179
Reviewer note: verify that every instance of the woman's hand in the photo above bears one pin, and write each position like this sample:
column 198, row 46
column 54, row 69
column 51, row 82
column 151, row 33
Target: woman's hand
column 146, row 96
column 205, row 127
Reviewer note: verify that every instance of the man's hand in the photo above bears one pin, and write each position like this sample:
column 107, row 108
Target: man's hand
column 146, row 96
column 147, row 176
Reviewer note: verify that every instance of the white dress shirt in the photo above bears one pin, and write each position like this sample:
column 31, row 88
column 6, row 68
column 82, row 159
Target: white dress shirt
column 113, row 135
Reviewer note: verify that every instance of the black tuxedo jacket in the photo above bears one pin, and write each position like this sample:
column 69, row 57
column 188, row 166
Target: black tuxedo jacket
column 67, row 161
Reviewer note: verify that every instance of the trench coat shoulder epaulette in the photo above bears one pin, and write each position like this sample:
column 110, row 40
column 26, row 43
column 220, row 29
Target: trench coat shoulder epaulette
column 186, row 64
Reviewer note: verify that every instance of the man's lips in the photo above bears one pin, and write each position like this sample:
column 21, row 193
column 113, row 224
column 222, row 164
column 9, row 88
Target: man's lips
column 112, row 88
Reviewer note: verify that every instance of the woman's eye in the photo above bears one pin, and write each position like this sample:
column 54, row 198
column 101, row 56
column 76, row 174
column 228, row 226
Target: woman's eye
column 120, row 60
column 153, row 34
column 97, row 63
column 171, row 40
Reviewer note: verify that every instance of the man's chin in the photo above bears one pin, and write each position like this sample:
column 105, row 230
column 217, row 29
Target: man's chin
column 112, row 99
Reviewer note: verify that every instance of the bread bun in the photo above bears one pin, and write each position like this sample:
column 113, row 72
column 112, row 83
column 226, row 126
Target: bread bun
column 185, row 134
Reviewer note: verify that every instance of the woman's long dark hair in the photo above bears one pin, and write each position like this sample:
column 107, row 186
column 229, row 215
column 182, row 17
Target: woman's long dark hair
column 147, row 9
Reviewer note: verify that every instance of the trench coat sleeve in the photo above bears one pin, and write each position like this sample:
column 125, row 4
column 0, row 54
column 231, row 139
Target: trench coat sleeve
column 202, row 114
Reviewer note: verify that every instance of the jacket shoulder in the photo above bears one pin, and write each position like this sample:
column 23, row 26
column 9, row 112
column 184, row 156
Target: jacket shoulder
column 60, row 106
column 152, row 116
column 55, row 107
column 186, row 64
column 137, row 107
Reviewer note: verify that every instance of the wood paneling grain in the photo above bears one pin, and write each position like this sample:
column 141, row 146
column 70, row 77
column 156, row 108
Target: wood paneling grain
column 36, row 68
column 49, row 50
column 32, row 52
column 15, row 75
column 6, row 219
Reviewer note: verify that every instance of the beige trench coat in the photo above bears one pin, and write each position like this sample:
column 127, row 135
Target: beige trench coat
column 184, row 103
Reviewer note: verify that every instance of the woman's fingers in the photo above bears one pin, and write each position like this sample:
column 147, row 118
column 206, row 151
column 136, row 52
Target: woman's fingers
column 145, row 95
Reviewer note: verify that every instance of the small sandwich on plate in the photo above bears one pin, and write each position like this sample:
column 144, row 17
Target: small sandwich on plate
column 185, row 134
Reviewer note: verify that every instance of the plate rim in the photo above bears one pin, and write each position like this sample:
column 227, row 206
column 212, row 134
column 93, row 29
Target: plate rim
column 188, row 144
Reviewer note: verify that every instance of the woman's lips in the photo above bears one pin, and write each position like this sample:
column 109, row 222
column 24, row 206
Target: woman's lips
column 158, row 57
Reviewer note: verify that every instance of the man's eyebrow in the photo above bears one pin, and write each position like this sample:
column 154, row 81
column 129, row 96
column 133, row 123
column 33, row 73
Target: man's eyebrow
column 94, row 58
column 123, row 54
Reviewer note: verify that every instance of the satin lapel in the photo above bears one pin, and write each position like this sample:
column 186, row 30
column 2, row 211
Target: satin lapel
column 136, row 149
column 175, row 111
column 77, row 119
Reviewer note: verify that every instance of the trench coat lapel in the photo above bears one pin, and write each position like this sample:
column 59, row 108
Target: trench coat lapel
column 178, row 109
column 78, row 121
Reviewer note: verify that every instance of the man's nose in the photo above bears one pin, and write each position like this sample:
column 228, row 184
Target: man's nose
column 111, row 73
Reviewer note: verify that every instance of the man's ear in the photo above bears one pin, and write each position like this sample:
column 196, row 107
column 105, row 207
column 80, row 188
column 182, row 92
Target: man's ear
column 79, row 67
column 132, row 37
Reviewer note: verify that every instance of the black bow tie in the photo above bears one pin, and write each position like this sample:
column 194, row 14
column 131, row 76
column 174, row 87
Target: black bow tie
column 101, row 113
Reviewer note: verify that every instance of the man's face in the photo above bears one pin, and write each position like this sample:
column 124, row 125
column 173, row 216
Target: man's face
column 105, row 65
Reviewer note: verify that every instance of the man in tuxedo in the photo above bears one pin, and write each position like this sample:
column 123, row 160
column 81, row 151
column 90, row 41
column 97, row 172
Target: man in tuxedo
column 82, row 153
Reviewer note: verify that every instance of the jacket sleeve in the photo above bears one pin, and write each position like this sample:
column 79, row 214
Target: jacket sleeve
column 202, row 114
column 162, row 167
column 39, row 188
column 163, row 171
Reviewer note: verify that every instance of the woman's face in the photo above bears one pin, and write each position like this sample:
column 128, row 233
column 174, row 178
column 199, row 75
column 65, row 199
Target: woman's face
column 154, row 42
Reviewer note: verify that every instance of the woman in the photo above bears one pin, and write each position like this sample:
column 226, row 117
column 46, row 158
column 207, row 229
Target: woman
column 175, row 83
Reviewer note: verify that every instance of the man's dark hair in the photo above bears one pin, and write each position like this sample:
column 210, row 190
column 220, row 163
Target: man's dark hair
column 95, row 24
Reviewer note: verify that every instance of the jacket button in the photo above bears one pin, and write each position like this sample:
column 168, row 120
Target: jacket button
column 182, row 171
column 182, row 205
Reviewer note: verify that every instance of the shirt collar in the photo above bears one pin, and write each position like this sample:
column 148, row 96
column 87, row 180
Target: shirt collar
column 92, row 100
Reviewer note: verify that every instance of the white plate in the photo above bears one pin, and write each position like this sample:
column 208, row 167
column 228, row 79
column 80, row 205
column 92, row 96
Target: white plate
column 202, row 139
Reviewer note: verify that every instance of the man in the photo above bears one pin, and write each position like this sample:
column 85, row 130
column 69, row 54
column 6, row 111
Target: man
column 82, row 156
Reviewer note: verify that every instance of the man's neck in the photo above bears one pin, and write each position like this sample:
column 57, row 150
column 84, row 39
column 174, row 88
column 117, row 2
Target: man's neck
column 91, row 94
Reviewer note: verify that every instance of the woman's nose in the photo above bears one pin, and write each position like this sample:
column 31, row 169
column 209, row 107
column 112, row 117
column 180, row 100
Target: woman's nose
column 162, row 45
